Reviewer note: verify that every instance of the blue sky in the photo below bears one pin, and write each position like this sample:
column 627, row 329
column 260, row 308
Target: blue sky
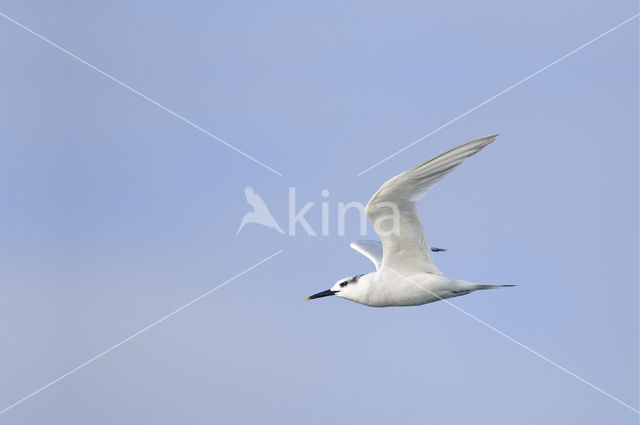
column 115, row 213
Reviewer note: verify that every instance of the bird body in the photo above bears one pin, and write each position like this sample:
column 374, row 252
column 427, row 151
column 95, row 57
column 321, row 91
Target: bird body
column 405, row 274
column 387, row 288
column 382, row 289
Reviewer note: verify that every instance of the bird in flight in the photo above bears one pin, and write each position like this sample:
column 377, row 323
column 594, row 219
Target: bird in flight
column 405, row 274
column 260, row 213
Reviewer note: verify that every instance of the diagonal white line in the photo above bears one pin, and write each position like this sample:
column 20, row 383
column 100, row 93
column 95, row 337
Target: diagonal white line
column 131, row 89
column 141, row 331
column 515, row 341
column 448, row 123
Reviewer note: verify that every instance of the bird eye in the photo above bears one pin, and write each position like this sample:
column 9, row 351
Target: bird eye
column 343, row 284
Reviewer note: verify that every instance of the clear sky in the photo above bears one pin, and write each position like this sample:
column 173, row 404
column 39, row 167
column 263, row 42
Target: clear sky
column 115, row 213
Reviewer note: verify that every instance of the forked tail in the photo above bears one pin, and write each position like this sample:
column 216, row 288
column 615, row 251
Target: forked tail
column 477, row 287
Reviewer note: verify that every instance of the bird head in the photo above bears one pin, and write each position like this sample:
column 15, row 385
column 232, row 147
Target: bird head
column 349, row 288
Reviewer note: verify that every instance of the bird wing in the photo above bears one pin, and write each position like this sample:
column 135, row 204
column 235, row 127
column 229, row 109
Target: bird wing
column 255, row 200
column 393, row 209
column 370, row 249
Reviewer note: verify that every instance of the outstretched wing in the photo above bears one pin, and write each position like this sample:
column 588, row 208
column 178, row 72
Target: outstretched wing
column 373, row 250
column 370, row 249
column 393, row 209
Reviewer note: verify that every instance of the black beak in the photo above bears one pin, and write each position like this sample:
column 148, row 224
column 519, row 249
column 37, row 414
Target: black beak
column 321, row 294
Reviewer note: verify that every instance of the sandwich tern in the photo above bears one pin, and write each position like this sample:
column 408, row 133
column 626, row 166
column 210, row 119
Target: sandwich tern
column 405, row 274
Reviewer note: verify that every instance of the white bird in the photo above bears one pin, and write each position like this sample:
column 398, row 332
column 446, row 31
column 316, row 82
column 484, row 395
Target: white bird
column 260, row 213
column 405, row 274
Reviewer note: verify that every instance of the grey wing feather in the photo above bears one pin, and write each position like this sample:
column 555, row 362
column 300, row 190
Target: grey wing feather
column 405, row 248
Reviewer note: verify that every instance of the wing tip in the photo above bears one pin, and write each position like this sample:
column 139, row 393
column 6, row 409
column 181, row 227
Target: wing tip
column 489, row 138
column 477, row 145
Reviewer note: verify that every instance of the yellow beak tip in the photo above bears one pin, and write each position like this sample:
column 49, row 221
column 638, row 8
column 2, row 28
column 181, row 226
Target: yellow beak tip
column 307, row 299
